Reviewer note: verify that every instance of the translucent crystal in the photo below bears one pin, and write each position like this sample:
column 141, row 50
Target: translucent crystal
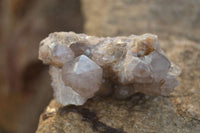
column 61, row 54
column 137, row 70
column 168, row 85
column 84, row 66
column 64, row 94
column 83, row 75
column 174, row 70
column 160, row 65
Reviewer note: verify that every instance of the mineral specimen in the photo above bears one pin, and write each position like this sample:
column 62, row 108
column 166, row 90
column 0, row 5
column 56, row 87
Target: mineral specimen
column 84, row 66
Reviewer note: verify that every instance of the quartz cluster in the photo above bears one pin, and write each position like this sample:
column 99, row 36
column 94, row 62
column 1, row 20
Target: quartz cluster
column 83, row 66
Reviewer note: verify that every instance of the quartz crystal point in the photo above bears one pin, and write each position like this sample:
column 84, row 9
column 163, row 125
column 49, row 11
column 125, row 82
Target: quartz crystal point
column 83, row 66
column 83, row 75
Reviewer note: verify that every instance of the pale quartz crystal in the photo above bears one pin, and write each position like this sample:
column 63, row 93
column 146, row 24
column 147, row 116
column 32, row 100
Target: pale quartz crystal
column 64, row 94
column 56, row 54
column 85, row 66
column 83, row 75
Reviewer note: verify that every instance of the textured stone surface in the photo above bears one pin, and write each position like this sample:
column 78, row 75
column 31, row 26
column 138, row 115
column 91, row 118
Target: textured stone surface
column 123, row 17
column 177, row 113
column 186, row 96
column 126, row 64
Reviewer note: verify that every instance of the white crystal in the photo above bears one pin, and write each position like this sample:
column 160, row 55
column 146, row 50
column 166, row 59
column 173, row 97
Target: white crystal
column 137, row 70
column 84, row 66
column 61, row 54
column 83, row 75
column 65, row 95
column 160, row 65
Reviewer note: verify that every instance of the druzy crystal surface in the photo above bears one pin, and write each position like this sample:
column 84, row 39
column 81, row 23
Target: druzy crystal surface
column 84, row 66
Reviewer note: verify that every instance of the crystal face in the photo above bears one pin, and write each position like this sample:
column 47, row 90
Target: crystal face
column 85, row 66
column 83, row 75
column 62, row 54
column 64, row 94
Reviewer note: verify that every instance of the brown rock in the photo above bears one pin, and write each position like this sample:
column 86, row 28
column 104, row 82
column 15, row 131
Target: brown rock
column 178, row 112
column 124, row 17
column 186, row 98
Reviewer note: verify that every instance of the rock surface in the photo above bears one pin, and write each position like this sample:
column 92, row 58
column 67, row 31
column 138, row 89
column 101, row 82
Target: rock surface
column 178, row 112
column 124, row 17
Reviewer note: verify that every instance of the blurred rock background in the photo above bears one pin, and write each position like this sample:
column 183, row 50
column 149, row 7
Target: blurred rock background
column 24, row 82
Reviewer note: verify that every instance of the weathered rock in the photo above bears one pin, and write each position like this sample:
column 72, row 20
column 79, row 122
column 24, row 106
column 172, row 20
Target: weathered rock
column 187, row 95
column 135, row 63
column 124, row 17
column 178, row 112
